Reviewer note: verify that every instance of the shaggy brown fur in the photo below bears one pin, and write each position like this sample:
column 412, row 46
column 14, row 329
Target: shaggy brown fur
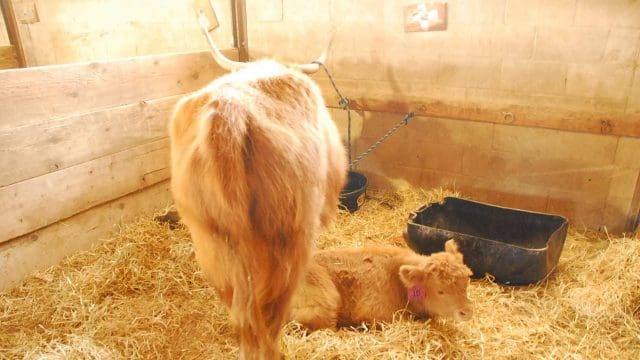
column 257, row 168
column 345, row 287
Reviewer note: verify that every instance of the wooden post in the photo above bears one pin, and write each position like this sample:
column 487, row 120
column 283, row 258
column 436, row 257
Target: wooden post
column 12, row 30
column 206, row 7
column 239, row 13
column 633, row 218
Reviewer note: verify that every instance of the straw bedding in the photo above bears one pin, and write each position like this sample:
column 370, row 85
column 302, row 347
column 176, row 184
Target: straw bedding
column 140, row 295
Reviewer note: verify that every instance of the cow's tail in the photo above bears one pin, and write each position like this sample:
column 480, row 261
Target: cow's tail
column 261, row 308
column 269, row 259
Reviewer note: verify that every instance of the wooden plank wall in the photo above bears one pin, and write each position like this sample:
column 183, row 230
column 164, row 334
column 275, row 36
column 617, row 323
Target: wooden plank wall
column 4, row 35
column 89, row 30
column 83, row 146
column 8, row 57
column 12, row 32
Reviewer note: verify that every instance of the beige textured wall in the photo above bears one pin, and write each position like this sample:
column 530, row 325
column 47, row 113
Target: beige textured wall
column 561, row 64
column 580, row 54
column 589, row 178
column 87, row 30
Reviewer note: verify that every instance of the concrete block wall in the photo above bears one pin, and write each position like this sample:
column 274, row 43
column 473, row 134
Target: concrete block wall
column 87, row 30
column 578, row 53
column 590, row 178
column 547, row 58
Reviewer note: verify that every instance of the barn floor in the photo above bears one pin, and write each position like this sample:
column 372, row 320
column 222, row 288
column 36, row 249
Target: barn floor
column 140, row 295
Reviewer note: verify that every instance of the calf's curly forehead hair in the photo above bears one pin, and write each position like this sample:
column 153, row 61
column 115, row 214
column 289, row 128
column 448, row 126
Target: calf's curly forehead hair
column 448, row 266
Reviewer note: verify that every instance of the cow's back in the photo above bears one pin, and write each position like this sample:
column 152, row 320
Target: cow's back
column 262, row 146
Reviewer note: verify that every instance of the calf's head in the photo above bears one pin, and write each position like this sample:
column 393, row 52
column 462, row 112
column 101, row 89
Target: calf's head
column 439, row 283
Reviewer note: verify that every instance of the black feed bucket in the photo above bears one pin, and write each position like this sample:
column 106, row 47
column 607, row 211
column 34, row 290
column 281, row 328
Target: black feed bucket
column 352, row 195
column 517, row 247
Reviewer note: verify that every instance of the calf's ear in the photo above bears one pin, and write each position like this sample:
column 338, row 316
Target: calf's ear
column 452, row 248
column 410, row 274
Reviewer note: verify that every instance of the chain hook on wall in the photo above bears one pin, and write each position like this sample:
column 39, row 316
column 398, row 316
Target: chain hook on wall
column 343, row 102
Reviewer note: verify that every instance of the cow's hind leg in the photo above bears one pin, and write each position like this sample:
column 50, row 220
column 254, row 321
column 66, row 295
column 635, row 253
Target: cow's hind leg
column 214, row 257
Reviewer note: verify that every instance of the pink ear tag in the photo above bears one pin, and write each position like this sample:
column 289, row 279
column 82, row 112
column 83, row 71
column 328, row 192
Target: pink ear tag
column 416, row 293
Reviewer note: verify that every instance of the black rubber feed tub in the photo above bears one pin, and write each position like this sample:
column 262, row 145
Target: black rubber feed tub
column 353, row 193
column 517, row 247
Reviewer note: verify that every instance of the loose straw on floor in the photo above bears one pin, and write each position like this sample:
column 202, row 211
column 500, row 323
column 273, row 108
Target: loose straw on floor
column 140, row 295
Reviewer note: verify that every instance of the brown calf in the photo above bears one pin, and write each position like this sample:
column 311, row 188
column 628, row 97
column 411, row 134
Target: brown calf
column 346, row 287
column 257, row 168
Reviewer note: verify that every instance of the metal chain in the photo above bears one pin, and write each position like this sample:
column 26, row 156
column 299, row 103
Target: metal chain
column 344, row 104
column 384, row 137
column 343, row 101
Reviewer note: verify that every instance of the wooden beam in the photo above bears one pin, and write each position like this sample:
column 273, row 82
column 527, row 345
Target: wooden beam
column 53, row 145
column 53, row 92
column 32, row 204
column 12, row 30
column 594, row 122
column 46, row 247
column 8, row 57
column 240, row 39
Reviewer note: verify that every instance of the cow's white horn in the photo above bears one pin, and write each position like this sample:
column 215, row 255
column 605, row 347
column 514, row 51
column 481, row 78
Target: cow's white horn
column 312, row 67
column 222, row 60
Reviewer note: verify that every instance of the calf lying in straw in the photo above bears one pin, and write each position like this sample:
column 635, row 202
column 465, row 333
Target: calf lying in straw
column 345, row 287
